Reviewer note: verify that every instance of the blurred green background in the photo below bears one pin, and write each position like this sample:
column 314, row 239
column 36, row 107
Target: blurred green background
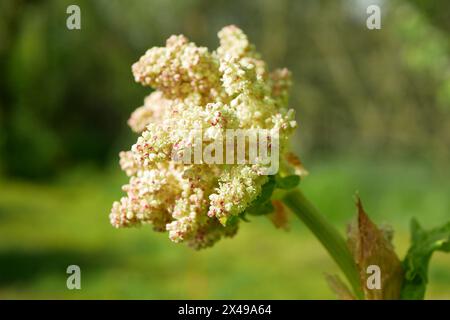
column 374, row 114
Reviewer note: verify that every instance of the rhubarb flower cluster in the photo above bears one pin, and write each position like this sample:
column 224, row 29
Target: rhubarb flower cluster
column 198, row 90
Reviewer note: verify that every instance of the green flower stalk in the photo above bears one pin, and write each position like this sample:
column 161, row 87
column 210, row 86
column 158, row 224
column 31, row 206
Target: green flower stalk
column 330, row 238
column 200, row 202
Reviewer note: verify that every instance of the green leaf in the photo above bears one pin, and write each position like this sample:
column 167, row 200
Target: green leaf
column 288, row 182
column 262, row 204
column 233, row 220
column 243, row 217
column 416, row 262
column 260, row 208
column 266, row 191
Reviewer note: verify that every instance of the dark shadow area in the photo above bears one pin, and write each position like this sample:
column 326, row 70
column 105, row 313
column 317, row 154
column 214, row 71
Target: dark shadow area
column 21, row 266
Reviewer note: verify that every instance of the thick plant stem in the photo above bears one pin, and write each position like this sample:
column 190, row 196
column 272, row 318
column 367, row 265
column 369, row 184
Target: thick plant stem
column 330, row 238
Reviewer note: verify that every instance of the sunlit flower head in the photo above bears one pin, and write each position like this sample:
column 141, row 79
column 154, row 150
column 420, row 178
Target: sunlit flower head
column 212, row 92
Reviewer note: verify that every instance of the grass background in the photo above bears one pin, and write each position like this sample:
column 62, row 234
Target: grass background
column 46, row 227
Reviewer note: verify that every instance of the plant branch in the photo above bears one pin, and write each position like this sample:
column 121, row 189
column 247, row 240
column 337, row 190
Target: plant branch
column 330, row 238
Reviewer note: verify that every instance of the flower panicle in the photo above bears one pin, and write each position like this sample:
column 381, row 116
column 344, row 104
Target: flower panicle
column 195, row 89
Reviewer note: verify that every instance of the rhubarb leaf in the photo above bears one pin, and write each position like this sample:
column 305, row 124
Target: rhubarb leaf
column 417, row 260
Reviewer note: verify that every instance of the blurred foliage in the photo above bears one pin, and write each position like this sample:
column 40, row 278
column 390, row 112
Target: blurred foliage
column 437, row 12
column 65, row 95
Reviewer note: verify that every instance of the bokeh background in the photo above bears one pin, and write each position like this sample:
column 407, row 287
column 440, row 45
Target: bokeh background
column 374, row 114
